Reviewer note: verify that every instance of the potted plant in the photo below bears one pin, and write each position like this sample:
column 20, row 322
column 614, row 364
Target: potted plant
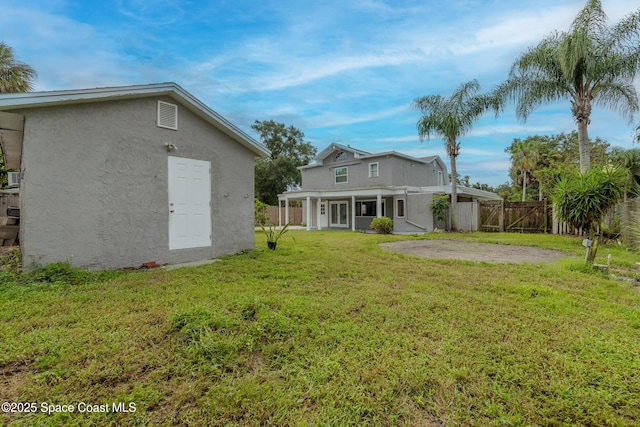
column 273, row 234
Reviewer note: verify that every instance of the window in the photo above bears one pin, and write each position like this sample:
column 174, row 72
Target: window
column 368, row 208
column 440, row 178
column 341, row 175
column 373, row 170
column 323, row 207
column 341, row 156
column 400, row 208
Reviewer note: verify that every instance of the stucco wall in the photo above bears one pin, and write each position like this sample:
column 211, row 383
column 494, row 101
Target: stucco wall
column 393, row 171
column 94, row 189
column 418, row 217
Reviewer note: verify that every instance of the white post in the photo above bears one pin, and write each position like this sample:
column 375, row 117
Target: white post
column 318, row 221
column 379, row 206
column 353, row 213
column 279, row 212
column 286, row 210
column 308, row 213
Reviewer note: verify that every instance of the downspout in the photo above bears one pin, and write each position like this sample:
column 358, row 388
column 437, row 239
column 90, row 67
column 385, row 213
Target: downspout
column 406, row 213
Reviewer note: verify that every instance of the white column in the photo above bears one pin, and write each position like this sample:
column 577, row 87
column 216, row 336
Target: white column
column 379, row 206
column 286, row 210
column 318, row 205
column 279, row 212
column 353, row 213
column 308, row 213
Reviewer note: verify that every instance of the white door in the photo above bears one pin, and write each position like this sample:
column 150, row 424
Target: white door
column 189, row 203
column 324, row 220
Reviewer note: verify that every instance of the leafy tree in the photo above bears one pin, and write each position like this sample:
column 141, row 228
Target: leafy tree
column 630, row 160
column 452, row 118
column 279, row 172
column 505, row 190
column 549, row 157
column 591, row 64
column 15, row 76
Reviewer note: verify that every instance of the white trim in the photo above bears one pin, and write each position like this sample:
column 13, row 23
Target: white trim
column 21, row 101
column 346, row 174
column 389, row 191
column 323, row 218
column 308, row 209
column 167, row 115
column 404, row 208
column 338, row 224
column 377, row 169
column 189, row 196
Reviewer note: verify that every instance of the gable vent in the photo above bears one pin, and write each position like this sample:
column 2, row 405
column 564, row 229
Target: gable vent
column 167, row 115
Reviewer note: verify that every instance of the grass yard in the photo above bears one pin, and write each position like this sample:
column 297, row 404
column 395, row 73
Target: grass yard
column 329, row 330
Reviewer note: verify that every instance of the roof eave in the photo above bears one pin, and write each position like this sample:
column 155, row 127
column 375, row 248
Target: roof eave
column 27, row 100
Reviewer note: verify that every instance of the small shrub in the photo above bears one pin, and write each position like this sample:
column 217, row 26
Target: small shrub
column 260, row 212
column 63, row 272
column 11, row 262
column 194, row 321
column 382, row 225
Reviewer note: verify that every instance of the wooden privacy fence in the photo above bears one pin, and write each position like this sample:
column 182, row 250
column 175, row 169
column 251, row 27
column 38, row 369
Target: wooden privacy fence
column 295, row 215
column 8, row 200
column 9, row 226
column 523, row 217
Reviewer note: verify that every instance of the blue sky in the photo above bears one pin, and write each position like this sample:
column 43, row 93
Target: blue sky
column 343, row 72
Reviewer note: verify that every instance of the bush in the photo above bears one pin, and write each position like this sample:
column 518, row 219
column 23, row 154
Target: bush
column 440, row 206
column 583, row 199
column 260, row 213
column 382, row 225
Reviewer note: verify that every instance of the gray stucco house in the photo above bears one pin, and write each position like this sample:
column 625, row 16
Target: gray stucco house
column 121, row 176
column 345, row 188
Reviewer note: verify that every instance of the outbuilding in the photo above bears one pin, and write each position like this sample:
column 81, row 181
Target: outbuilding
column 122, row 176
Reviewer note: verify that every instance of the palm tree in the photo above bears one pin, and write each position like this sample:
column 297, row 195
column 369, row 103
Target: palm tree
column 15, row 76
column 592, row 64
column 523, row 157
column 452, row 118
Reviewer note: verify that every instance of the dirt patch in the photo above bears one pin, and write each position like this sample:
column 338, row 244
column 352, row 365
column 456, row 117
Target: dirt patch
column 472, row 251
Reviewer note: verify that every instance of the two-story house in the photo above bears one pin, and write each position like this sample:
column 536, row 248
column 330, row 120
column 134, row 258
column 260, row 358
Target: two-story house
column 345, row 188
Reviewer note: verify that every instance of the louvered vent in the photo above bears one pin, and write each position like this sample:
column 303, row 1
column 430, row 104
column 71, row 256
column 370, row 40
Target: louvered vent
column 167, row 115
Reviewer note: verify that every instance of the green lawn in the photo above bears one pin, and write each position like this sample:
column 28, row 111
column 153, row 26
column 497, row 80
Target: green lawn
column 328, row 330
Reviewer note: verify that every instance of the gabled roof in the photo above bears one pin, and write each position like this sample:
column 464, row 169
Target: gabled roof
column 360, row 154
column 317, row 161
column 20, row 101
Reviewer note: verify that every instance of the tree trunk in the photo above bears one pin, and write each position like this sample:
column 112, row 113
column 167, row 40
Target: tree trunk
column 524, row 184
column 584, row 145
column 454, row 194
column 539, row 191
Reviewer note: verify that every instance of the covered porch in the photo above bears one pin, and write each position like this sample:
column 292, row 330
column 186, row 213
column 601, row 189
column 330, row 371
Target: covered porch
column 340, row 210
column 408, row 207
